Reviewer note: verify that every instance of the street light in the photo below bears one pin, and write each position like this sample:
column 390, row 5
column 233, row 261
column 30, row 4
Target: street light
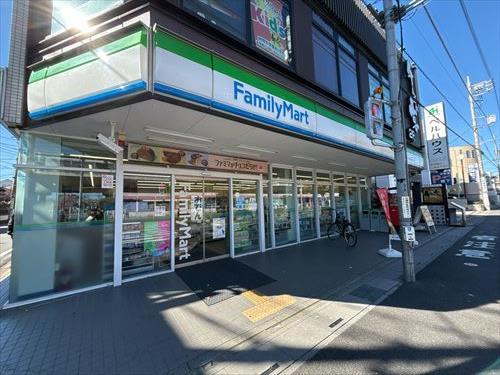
column 461, row 158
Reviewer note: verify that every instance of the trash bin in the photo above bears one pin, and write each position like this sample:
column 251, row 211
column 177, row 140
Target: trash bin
column 457, row 217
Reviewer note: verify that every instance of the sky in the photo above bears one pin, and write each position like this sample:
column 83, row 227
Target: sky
column 8, row 143
column 423, row 45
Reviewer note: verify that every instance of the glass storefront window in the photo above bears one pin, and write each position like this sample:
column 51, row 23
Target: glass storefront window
column 354, row 205
column 146, row 224
column 63, row 232
column 325, row 204
column 323, row 177
column 47, row 151
column 282, row 173
column 351, row 180
column 285, row 231
column 307, row 211
column 340, row 201
column 246, row 220
column 302, row 175
column 338, row 178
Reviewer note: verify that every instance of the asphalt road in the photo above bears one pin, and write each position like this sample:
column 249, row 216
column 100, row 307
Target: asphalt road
column 448, row 322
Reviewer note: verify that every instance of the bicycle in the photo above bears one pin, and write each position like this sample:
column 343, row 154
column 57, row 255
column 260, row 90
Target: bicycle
column 344, row 228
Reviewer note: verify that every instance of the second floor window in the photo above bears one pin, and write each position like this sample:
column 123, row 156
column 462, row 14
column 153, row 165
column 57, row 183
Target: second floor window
column 228, row 15
column 335, row 65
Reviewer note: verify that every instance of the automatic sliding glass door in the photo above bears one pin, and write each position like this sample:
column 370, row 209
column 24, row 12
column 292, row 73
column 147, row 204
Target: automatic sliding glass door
column 201, row 219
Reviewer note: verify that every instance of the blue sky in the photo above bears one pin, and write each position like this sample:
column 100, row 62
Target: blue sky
column 8, row 143
column 423, row 45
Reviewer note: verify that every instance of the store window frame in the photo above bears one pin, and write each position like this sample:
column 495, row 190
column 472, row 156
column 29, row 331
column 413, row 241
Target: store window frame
column 312, row 182
column 31, row 163
column 328, row 183
column 292, row 180
column 340, row 45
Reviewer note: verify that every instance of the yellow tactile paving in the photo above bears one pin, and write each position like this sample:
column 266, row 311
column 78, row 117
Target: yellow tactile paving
column 269, row 306
column 254, row 296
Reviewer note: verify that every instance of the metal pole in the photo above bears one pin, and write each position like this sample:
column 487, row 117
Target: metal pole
column 401, row 166
column 463, row 178
column 423, row 134
column 483, row 194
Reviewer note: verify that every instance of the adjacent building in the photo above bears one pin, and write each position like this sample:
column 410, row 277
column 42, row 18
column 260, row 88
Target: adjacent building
column 464, row 164
column 241, row 124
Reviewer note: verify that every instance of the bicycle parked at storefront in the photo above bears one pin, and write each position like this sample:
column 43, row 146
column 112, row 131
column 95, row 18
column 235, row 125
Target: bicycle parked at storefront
column 340, row 225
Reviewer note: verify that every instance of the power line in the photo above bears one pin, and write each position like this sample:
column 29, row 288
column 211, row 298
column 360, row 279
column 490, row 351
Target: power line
column 480, row 50
column 434, row 53
column 448, row 101
column 445, row 47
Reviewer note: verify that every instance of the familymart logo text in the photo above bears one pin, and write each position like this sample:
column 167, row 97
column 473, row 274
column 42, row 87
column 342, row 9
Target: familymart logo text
column 281, row 109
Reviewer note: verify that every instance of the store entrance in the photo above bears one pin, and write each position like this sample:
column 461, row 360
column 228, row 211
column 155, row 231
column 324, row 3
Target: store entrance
column 201, row 219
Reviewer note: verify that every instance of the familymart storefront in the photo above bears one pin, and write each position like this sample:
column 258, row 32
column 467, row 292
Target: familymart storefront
column 219, row 161
column 86, row 218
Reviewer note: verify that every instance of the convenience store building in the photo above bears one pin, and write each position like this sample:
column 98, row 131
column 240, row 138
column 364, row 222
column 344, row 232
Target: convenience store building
column 233, row 142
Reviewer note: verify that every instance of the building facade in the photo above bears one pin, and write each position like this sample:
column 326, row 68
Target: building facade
column 241, row 125
column 464, row 164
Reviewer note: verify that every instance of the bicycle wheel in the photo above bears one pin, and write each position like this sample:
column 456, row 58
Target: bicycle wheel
column 350, row 235
column 331, row 231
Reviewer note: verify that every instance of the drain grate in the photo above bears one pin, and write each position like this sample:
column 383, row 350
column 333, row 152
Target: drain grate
column 270, row 369
column 335, row 322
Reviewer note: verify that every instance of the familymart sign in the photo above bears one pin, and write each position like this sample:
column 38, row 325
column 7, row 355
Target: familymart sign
column 230, row 93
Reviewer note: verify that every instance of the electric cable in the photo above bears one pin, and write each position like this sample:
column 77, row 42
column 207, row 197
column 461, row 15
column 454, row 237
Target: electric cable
column 449, row 102
column 480, row 50
column 448, row 53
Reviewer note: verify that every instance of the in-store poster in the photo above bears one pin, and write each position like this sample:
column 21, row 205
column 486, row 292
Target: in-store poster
column 269, row 25
column 157, row 237
column 218, row 227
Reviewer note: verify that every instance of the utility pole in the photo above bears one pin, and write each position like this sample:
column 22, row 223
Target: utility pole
column 400, row 163
column 425, row 173
column 477, row 145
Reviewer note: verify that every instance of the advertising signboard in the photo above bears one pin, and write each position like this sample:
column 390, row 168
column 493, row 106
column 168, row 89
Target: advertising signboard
column 383, row 195
column 441, row 177
column 170, row 156
column 473, row 170
column 436, row 137
column 270, row 23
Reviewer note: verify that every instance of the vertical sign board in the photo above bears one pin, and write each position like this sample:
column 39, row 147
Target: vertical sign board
column 436, row 137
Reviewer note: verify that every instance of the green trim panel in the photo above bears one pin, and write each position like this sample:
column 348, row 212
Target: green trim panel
column 131, row 40
column 182, row 48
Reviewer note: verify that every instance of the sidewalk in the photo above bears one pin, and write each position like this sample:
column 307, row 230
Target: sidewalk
column 158, row 325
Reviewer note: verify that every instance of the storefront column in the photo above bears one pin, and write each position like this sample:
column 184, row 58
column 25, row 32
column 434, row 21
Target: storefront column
column 231, row 219
column 172, row 222
column 271, row 207
column 117, row 269
column 297, row 217
column 316, row 210
column 347, row 202
column 260, row 212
